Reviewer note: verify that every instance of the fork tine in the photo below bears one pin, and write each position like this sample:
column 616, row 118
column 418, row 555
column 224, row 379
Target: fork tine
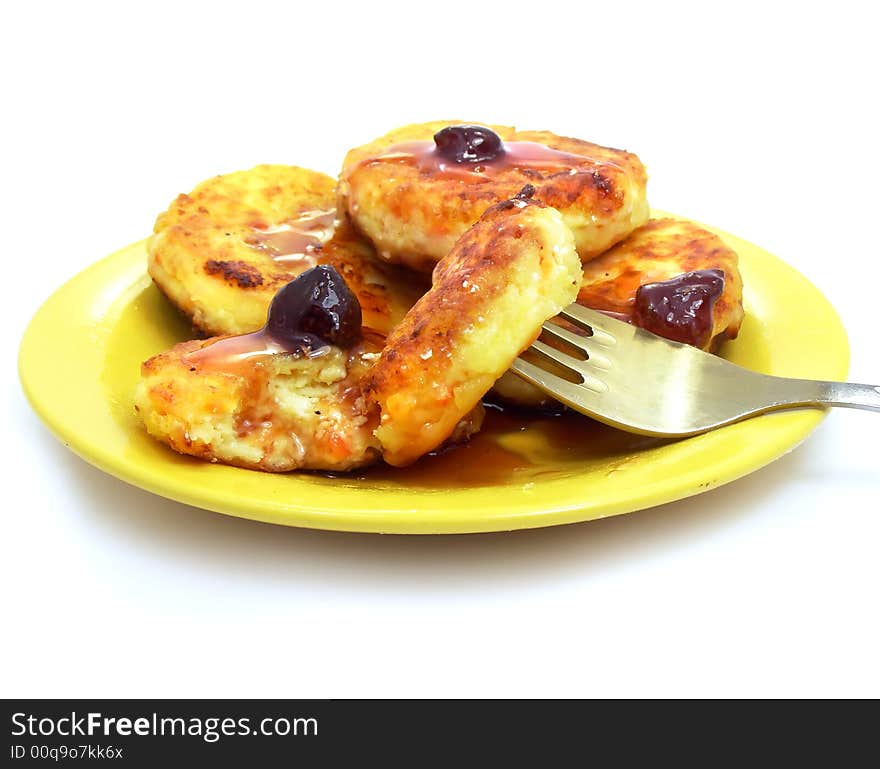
column 601, row 325
column 586, row 344
column 562, row 358
column 577, row 396
column 547, row 379
column 564, row 335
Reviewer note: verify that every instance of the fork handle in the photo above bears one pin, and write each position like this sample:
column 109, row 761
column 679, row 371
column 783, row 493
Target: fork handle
column 805, row 392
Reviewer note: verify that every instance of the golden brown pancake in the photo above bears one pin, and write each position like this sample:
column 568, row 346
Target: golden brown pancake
column 271, row 410
column 660, row 251
column 413, row 205
column 221, row 252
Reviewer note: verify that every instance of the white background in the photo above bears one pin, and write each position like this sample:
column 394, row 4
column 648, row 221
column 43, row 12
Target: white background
column 758, row 119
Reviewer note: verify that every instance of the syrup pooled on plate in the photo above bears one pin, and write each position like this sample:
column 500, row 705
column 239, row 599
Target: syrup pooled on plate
column 516, row 446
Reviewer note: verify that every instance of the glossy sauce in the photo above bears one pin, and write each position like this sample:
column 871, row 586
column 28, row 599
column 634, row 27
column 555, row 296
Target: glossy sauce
column 242, row 356
column 238, row 354
column 525, row 156
column 680, row 309
column 518, row 446
column 294, row 243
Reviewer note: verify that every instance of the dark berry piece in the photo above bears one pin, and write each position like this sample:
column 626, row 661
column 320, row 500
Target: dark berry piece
column 525, row 193
column 316, row 309
column 681, row 308
column 468, row 144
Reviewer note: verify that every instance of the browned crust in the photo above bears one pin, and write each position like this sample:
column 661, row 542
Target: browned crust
column 241, row 273
column 201, row 259
column 173, row 356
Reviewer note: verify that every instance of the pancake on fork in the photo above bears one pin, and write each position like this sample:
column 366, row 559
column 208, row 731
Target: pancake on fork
column 505, row 276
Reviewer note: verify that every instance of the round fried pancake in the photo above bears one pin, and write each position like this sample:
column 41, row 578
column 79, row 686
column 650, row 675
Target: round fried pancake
column 221, row 252
column 265, row 410
column 414, row 207
column 659, row 251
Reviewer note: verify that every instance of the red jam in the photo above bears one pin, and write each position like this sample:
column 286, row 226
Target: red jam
column 680, row 309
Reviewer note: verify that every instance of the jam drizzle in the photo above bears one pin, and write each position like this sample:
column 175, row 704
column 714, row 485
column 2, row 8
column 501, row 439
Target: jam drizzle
column 294, row 243
column 238, row 354
column 524, row 156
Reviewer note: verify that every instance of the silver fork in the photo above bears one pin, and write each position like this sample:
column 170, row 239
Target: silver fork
column 637, row 381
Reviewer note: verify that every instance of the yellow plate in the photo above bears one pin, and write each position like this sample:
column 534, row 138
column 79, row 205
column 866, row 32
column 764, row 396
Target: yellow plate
column 80, row 357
